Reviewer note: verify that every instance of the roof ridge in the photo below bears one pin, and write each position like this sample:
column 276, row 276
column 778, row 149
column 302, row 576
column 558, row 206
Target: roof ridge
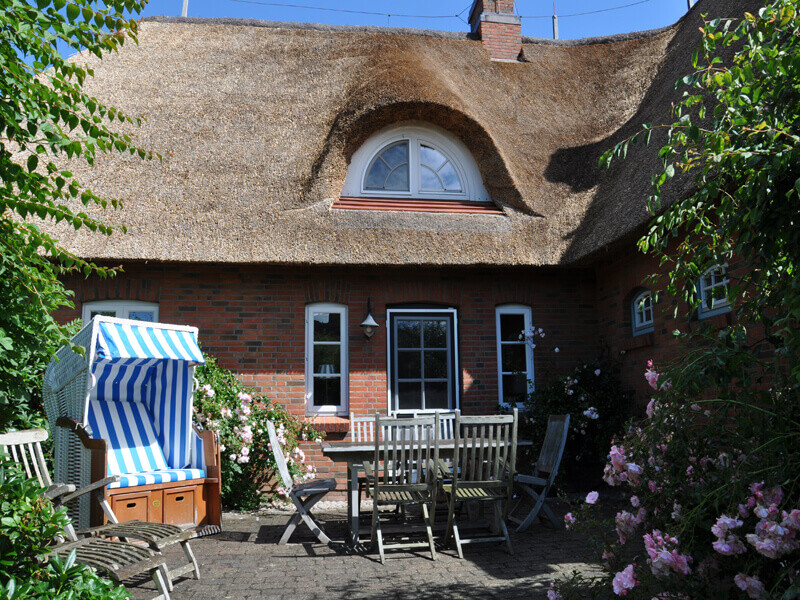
column 453, row 35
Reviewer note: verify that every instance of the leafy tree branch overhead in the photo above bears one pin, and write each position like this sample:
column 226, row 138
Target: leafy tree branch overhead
column 45, row 118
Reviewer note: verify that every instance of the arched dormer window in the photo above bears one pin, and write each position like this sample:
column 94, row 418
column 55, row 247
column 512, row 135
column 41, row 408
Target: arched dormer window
column 411, row 162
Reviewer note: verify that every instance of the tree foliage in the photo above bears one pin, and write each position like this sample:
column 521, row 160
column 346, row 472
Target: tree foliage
column 45, row 118
column 737, row 131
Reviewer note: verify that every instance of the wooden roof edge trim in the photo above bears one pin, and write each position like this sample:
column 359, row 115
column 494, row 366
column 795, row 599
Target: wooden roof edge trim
column 418, row 205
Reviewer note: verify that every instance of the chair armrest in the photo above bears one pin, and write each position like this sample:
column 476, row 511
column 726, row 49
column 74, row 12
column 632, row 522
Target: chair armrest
column 97, row 485
column 445, row 470
column 88, row 442
column 59, row 489
column 368, row 469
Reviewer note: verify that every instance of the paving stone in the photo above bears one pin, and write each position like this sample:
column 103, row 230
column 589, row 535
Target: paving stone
column 245, row 563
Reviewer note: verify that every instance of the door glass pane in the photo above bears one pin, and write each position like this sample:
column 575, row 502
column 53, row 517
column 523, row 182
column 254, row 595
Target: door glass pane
column 141, row 315
column 326, row 327
column 436, row 364
column 515, row 388
column 327, row 391
column 409, row 395
column 511, row 325
column 436, row 334
column 408, row 334
column 409, row 364
column 436, row 395
column 513, row 357
column 327, row 358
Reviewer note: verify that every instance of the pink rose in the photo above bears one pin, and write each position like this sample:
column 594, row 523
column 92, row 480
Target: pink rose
column 752, row 586
column 591, row 497
column 624, row 580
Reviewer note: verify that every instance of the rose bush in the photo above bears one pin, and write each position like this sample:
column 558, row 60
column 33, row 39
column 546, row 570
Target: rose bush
column 592, row 395
column 223, row 404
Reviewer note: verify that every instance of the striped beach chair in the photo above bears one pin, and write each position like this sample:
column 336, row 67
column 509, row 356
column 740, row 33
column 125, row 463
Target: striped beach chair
column 123, row 407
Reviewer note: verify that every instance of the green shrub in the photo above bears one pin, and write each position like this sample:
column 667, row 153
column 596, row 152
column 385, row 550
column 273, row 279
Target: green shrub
column 591, row 394
column 223, row 404
column 28, row 524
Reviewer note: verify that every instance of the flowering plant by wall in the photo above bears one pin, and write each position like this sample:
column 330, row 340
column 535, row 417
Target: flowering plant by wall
column 223, row 404
column 591, row 394
column 712, row 486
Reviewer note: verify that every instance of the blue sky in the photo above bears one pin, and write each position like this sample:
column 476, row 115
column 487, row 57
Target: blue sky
column 642, row 14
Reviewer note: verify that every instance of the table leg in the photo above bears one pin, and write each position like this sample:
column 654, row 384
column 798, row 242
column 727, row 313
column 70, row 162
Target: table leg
column 353, row 502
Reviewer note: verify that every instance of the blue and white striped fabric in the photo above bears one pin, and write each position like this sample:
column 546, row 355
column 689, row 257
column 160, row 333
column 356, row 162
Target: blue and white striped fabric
column 129, row 340
column 141, row 401
column 134, row 479
column 132, row 442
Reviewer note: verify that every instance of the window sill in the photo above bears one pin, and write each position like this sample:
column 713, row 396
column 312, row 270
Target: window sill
column 418, row 205
column 328, row 423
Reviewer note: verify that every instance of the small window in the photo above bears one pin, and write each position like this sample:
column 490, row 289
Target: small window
column 122, row 309
column 326, row 359
column 712, row 290
column 642, row 312
column 514, row 355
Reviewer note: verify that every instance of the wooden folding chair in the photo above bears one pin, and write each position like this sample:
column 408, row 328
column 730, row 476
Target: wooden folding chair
column 483, row 470
column 25, row 448
column 117, row 559
column 303, row 495
column 404, row 472
column 532, row 490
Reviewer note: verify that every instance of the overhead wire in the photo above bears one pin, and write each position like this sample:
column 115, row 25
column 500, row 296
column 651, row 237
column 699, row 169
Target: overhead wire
column 588, row 12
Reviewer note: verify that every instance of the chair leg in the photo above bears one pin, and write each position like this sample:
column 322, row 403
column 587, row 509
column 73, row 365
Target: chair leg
column 289, row 529
column 158, row 578
column 187, row 550
column 379, row 538
column 450, row 520
column 534, row 512
column 304, row 510
column 166, row 576
column 457, row 538
column 429, row 528
column 501, row 525
column 550, row 516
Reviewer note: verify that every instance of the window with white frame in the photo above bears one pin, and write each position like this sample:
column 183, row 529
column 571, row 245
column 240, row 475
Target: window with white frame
column 712, row 290
column 326, row 359
column 414, row 160
column 642, row 312
column 514, row 354
column 122, row 309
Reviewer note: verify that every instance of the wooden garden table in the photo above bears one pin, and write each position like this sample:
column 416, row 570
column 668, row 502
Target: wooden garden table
column 355, row 454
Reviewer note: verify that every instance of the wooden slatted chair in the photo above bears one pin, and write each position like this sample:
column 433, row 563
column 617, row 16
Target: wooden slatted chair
column 303, row 495
column 533, row 489
column 117, row 559
column 404, row 473
column 25, row 448
column 484, row 460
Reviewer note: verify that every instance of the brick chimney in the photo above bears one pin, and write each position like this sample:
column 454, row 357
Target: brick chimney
column 496, row 25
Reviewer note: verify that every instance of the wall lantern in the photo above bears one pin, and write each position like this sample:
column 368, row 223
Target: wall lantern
column 369, row 325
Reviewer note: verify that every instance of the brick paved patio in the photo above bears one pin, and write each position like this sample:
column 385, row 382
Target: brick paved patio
column 245, row 562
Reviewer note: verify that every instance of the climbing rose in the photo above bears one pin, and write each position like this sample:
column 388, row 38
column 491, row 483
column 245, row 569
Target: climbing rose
column 651, row 408
column 591, row 497
column 624, row 581
column 750, row 585
column 226, row 412
column 569, row 520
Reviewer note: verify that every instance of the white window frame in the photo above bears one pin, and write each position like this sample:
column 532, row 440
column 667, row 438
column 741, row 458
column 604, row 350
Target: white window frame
column 513, row 309
column 340, row 309
column 121, row 308
column 451, row 312
column 718, row 305
column 416, row 133
column 639, row 325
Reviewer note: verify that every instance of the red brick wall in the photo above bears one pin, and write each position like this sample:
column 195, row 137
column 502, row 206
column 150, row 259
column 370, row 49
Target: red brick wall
column 252, row 319
column 618, row 277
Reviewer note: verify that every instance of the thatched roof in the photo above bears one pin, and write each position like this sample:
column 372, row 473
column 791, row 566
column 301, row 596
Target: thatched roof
column 256, row 122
